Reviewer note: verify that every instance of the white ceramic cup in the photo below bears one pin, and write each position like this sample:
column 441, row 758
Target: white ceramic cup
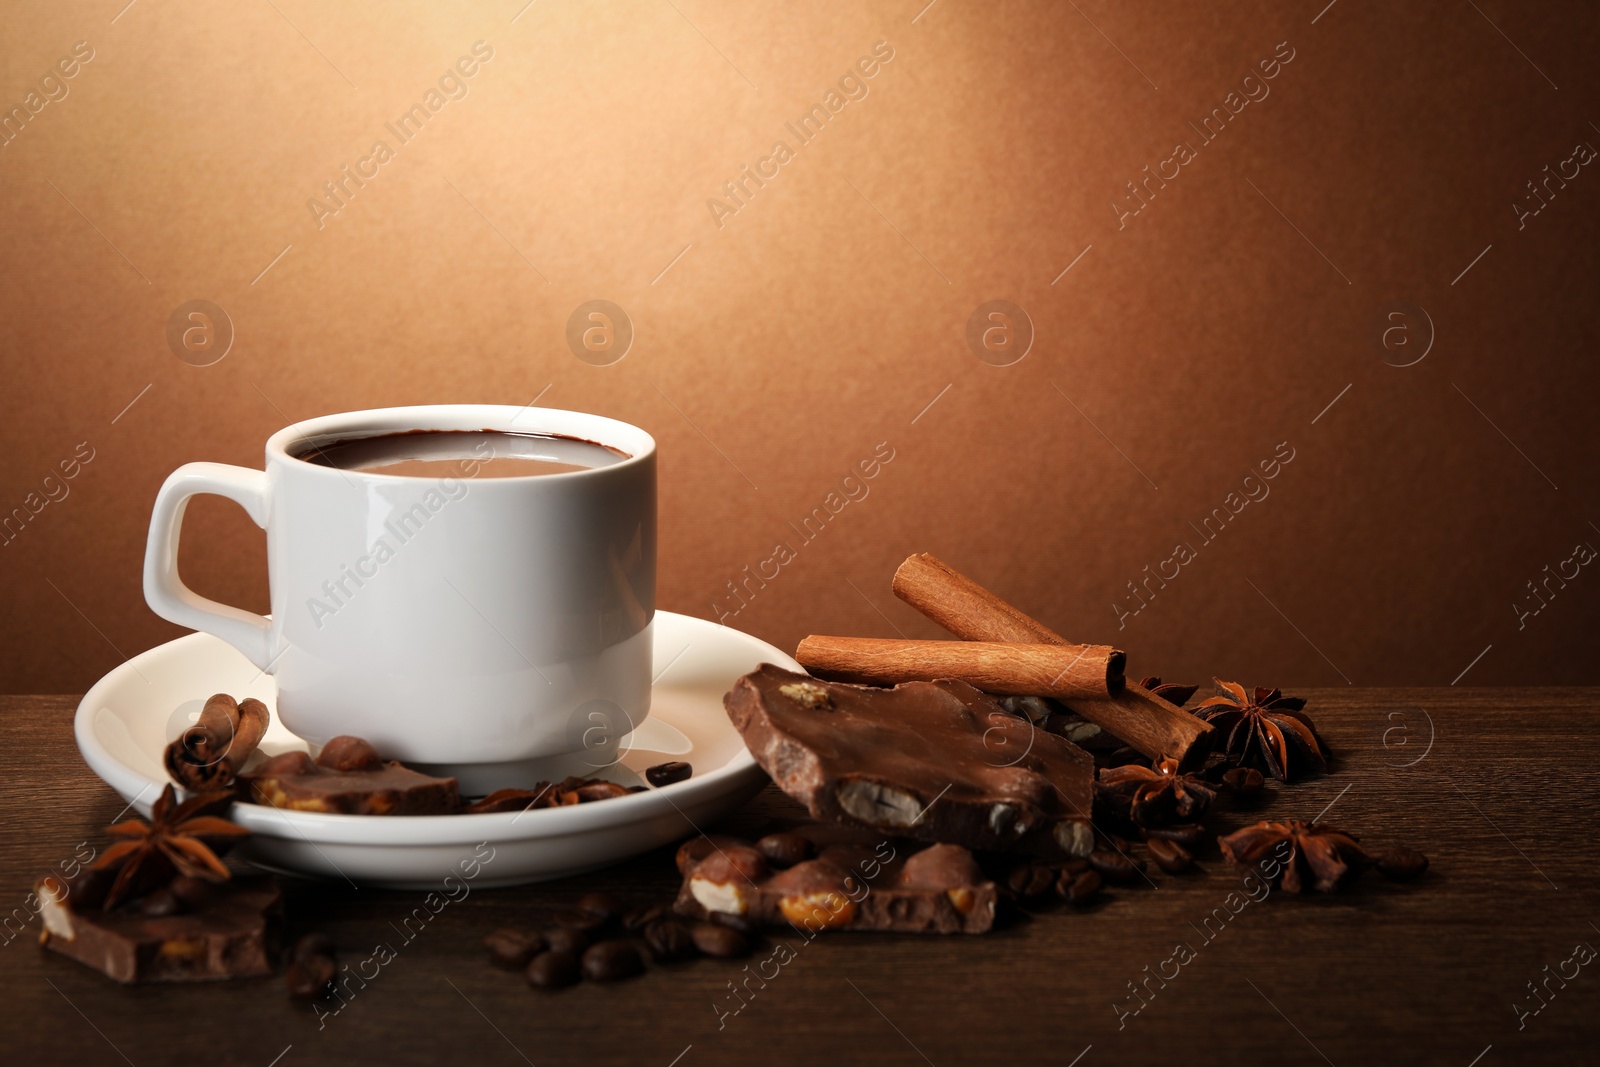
column 450, row 621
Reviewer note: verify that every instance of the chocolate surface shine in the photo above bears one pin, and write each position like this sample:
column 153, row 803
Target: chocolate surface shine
column 938, row 761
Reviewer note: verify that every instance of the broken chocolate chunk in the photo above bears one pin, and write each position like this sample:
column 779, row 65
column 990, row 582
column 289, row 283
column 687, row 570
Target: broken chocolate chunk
column 234, row 933
column 937, row 761
column 858, row 881
column 294, row 781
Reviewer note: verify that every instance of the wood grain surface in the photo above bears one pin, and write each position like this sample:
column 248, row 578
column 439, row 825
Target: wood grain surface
column 1496, row 785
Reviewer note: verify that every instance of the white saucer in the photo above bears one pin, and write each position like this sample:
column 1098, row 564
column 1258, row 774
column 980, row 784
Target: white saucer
column 126, row 720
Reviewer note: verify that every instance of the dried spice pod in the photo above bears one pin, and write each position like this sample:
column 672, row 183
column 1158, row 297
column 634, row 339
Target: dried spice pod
column 1304, row 855
column 1155, row 795
column 179, row 839
column 1265, row 730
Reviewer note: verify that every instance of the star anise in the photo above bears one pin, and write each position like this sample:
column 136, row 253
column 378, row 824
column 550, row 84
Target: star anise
column 1173, row 693
column 1266, row 730
column 1158, row 795
column 1325, row 854
column 178, row 839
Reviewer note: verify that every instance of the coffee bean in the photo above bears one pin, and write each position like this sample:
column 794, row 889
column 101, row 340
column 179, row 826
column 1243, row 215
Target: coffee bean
column 670, row 940
column 552, row 970
column 639, row 918
column 1169, row 855
column 193, row 892
column 314, row 944
column 1191, row 836
column 513, row 948
column 1402, row 864
column 667, row 773
column 566, row 940
column 1030, row 880
column 723, row 942
column 1080, row 887
column 610, row 961
column 586, row 921
column 310, row 978
column 602, row 906
column 784, row 849
column 1114, row 866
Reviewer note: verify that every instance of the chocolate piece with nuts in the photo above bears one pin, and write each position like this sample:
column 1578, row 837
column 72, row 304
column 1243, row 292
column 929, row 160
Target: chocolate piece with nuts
column 233, row 931
column 892, row 886
column 349, row 778
column 937, row 761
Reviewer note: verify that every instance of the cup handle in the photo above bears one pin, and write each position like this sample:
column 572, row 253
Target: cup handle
column 165, row 592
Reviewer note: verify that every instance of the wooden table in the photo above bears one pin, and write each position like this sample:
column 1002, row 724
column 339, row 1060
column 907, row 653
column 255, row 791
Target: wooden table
column 1504, row 800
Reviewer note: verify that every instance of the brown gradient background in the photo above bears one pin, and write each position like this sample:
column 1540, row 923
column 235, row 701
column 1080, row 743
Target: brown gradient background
column 828, row 313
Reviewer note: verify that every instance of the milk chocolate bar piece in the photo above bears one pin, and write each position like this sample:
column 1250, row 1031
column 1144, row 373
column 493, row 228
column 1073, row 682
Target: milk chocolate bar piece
column 233, row 932
column 936, row 761
column 366, row 787
column 889, row 885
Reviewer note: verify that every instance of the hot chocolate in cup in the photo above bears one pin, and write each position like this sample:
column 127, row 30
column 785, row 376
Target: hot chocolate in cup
column 468, row 587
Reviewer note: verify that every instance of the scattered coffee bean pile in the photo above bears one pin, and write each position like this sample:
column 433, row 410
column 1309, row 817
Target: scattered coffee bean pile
column 599, row 941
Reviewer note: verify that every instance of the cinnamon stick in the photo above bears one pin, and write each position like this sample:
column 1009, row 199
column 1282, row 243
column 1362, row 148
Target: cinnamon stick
column 209, row 755
column 1055, row 670
column 1147, row 723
